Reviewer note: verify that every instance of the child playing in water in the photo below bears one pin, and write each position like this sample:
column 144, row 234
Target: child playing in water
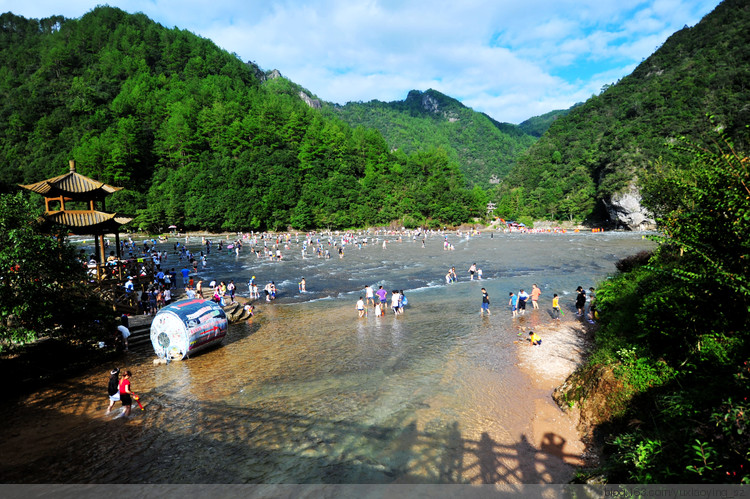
column 113, row 388
column 534, row 340
column 485, row 302
column 361, row 307
column 249, row 310
column 513, row 303
column 556, row 307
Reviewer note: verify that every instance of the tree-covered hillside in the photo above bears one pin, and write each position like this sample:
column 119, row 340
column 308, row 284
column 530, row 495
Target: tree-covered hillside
column 603, row 146
column 537, row 125
column 195, row 138
column 665, row 389
column 482, row 146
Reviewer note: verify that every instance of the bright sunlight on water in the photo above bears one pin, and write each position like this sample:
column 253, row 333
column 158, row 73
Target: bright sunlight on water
column 305, row 392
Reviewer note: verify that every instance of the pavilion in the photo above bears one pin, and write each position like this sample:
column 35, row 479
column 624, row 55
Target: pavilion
column 78, row 203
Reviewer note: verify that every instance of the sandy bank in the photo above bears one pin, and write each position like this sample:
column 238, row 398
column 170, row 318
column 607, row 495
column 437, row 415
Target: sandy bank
column 562, row 350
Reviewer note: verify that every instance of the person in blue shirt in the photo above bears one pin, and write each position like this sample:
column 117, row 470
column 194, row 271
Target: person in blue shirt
column 513, row 303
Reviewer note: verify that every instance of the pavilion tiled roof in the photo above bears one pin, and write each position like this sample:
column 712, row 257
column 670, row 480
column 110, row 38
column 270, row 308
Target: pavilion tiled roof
column 80, row 218
column 75, row 186
column 71, row 184
column 84, row 221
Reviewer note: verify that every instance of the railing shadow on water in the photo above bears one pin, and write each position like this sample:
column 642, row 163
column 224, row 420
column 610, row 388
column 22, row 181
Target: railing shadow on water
column 198, row 441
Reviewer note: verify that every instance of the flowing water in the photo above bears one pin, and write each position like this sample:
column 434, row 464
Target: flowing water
column 305, row 392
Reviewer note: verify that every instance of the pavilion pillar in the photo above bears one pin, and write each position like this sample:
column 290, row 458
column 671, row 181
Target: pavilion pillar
column 102, row 256
column 119, row 255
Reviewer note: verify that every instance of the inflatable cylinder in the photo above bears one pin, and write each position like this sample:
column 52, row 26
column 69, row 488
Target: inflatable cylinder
column 186, row 327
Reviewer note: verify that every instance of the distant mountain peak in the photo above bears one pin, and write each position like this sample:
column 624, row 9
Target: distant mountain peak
column 432, row 102
column 483, row 148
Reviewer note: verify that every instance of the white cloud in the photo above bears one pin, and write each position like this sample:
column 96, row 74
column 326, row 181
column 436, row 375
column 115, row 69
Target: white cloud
column 497, row 56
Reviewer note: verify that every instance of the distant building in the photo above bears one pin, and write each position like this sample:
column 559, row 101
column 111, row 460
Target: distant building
column 494, row 179
column 491, row 207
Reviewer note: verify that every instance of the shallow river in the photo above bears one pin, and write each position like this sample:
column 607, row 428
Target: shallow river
column 306, row 392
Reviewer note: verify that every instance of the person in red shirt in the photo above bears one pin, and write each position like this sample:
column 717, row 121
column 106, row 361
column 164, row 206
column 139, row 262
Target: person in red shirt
column 126, row 394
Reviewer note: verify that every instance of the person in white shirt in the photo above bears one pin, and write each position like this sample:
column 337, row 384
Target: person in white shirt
column 523, row 297
column 394, row 301
column 125, row 332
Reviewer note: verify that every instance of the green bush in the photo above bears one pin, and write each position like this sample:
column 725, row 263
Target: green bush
column 639, row 455
column 412, row 222
column 641, row 372
column 674, row 328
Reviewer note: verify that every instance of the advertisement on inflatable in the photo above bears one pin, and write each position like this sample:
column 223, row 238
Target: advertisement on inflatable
column 186, row 327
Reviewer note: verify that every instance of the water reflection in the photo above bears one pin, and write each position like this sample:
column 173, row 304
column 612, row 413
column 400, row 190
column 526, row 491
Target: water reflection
column 272, row 446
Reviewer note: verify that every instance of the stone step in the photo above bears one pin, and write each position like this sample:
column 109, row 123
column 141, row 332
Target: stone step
column 140, row 330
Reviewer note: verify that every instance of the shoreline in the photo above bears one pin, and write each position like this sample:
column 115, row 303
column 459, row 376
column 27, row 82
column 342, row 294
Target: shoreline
column 554, row 431
column 540, row 227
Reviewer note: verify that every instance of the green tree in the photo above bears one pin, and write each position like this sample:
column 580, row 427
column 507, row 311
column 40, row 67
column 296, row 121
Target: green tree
column 196, row 139
column 674, row 327
column 704, row 210
column 42, row 283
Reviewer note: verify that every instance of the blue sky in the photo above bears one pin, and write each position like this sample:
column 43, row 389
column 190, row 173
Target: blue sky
column 511, row 59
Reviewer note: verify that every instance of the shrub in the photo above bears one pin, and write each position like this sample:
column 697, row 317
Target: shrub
column 629, row 263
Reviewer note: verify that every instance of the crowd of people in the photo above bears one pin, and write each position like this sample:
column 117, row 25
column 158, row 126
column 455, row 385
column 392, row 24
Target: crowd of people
column 518, row 302
column 160, row 292
column 379, row 301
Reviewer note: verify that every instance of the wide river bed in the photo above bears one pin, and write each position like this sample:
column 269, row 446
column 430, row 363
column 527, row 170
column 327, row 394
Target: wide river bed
column 306, row 392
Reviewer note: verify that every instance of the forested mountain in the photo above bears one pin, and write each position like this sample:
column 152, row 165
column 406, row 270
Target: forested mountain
column 537, row 125
column 482, row 146
column 195, row 137
column 603, row 147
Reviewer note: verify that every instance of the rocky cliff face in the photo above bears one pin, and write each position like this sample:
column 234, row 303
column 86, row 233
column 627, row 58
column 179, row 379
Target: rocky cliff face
column 313, row 103
column 430, row 104
column 625, row 210
column 433, row 102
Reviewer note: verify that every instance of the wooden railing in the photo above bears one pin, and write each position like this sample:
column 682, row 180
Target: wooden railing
column 111, row 277
column 120, row 270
